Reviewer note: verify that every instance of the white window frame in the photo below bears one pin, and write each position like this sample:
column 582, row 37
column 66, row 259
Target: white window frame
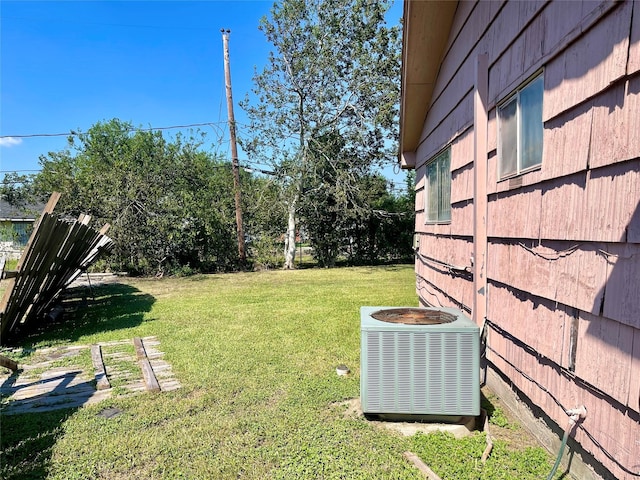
column 520, row 119
column 442, row 164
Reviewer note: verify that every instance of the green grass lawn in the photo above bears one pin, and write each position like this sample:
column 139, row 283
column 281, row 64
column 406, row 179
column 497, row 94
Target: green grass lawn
column 256, row 356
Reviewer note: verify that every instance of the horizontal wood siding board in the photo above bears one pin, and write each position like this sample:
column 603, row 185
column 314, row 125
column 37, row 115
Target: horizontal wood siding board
column 462, row 151
column 455, row 77
column 634, row 385
column 525, row 317
column 436, row 255
column 590, row 65
column 633, row 65
column 430, row 290
column 566, row 141
column 569, row 273
column 460, row 22
column 598, row 205
column 508, row 43
column 492, row 140
column 447, row 249
column 462, row 184
column 539, row 381
column 615, row 431
column 612, row 197
column 454, row 124
column 610, row 368
column 492, row 170
column 462, row 218
column 459, row 87
column 515, row 214
column 615, row 133
column 562, row 207
column 622, row 298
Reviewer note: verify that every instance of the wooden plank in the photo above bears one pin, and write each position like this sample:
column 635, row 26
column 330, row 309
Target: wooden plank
column 563, row 207
column 566, row 141
column 527, row 202
column 150, row 380
column 6, row 295
column 621, row 300
column 139, row 347
column 462, row 184
column 8, row 363
column 590, row 65
column 102, row 381
column 612, row 196
column 48, row 208
column 420, row 465
column 610, row 368
column 571, row 273
column 58, row 250
column 614, row 135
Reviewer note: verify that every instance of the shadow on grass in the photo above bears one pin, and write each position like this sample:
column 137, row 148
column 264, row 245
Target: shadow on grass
column 89, row 311
column 487, row 405
column 28, row 439
column 27, row 443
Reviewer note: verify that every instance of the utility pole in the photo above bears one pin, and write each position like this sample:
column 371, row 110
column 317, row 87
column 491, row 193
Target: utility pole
column 234, row 148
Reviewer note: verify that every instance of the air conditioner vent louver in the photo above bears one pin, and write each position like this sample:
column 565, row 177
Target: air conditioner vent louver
column 428, row 369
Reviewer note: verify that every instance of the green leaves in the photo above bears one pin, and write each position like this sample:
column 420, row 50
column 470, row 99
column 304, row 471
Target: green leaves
column 170, row 205
column 327, row 99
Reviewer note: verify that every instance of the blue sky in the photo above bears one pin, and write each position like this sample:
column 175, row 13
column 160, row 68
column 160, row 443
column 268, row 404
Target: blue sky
column 67, row 65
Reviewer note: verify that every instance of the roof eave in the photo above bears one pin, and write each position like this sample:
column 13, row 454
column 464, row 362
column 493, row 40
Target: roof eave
column 426, row 27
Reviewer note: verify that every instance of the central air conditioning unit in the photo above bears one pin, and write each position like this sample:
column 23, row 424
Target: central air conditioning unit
column 419, row 361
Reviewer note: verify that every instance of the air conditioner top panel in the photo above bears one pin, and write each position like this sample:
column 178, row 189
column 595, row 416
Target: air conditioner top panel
column 460, row 323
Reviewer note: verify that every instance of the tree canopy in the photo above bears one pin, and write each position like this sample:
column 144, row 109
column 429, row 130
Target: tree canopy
column 170, row 204
column 323, row 113
column 332, row 79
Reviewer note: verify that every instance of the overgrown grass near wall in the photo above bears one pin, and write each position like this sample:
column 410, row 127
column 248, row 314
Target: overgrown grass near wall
column 256, row 355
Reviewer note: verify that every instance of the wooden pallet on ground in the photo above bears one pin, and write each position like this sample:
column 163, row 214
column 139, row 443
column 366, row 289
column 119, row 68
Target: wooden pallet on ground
column 56, row 377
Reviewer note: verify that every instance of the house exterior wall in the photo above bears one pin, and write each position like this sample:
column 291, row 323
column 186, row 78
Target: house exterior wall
column 563, row 253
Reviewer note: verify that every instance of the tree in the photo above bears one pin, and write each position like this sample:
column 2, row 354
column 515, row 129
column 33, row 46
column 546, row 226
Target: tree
column 170, row 204
column 385, row 232
column 264, row 220
column 334, row 73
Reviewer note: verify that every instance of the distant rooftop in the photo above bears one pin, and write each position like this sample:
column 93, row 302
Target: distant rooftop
column 26, row 212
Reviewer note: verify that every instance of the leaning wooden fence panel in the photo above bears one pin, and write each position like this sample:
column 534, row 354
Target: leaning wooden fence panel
column 58, row 251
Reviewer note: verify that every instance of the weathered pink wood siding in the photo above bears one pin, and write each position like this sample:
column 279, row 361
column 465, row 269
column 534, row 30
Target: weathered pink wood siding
column 563, row 260
column 589, row 66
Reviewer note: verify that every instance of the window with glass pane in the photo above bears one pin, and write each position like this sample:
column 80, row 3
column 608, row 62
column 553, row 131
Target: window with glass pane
column 438, row 194
column 508, row 138
column 520, row 130
column 22, row 232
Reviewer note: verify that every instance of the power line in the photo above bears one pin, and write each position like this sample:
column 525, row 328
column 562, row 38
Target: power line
column 73, row 133
column 99, row 24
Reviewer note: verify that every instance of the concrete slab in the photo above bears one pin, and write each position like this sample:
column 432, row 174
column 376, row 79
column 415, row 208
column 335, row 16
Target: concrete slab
column 409, row 426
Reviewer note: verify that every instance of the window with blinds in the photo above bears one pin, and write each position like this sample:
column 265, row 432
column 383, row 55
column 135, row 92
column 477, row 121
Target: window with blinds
column 438, row 188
